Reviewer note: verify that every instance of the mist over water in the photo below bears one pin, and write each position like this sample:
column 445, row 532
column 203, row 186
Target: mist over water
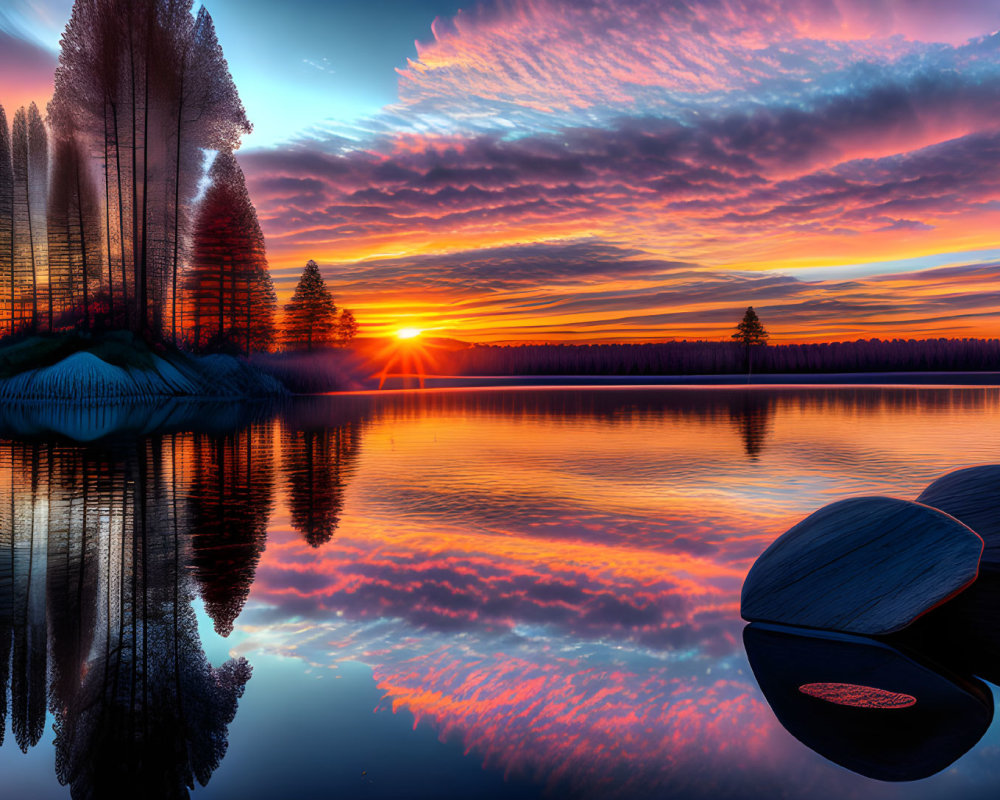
column 445, row 593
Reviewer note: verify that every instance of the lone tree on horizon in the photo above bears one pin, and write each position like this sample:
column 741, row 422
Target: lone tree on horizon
column 311, row 315
column 749, row 332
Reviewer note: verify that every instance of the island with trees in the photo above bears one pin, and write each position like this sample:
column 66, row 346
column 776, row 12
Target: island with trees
column 129, row 267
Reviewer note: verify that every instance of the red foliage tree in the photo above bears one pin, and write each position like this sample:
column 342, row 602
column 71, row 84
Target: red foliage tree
column 229, row 298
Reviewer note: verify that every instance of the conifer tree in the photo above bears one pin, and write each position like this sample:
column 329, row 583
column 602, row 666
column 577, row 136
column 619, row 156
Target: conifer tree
column 230, row 299
column 347, row 327
column 6, row 221
column 38, row 188
column 749, row 332
column 310, row 318
column 150, row 90
column 74, row 232
column 23, row 272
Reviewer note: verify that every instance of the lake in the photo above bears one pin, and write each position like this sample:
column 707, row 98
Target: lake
column 502, row 593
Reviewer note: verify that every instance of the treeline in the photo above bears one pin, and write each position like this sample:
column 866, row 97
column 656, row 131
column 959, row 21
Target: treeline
column 721, row 358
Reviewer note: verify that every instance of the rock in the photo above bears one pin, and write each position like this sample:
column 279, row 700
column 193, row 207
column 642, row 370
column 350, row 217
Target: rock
column 879, row 711
column 867, row 565
column 971, row 496
column 83, row 377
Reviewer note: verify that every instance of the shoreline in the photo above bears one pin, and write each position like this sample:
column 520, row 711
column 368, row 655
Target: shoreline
column 894, row 379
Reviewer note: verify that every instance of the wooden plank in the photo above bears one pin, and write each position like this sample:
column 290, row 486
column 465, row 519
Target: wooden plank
column 920, row 722
column 971, row 496
column 868, row 565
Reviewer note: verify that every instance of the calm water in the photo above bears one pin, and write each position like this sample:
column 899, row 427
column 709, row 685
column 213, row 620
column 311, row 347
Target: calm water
column 499, row 593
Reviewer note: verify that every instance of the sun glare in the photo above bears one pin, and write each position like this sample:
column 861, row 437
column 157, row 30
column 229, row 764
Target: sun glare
column 407, row 333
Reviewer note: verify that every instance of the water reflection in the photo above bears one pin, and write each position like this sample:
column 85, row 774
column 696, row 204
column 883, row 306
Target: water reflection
column 98, row 622
column 318, row 458
column 229, row 498
column 752, row 415
column 547, row 579
column 880, row 711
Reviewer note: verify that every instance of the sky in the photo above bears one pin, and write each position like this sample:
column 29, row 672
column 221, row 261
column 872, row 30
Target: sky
column 615, row 170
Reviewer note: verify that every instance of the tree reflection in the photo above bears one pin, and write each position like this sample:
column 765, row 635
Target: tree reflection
column 229, row 503
column 752, row 415
column 96, row 613
column 317, row 463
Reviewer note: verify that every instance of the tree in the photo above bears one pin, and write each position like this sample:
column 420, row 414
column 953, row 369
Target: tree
column 38, row 185
column 6, row 217
column 230, row 298
column 318, row 462
column 347, row 327
column 749, row 332
column 311, row 315
column 74, row 226
column 150, row 91
column 22, row 273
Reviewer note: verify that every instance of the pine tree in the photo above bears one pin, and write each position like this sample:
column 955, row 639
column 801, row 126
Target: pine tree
column 230, row 298
column 150, row 91
column 6, row 220
column 310, row 318
column 74, row 226
column 347, row 327
column 22, row 272
column 749, row 332
column 38, row 187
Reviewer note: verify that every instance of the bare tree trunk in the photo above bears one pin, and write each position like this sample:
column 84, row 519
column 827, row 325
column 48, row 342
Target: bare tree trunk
column 83, row 247
column 144, row 292
column 177, row 204
column 31, row 244
column 107, row 217
column 137, row 325
column 121, row 215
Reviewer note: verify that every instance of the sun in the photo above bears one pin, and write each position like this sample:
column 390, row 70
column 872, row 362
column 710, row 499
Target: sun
column 408, row 333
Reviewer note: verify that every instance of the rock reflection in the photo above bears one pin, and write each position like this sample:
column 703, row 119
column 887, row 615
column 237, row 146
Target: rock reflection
column 95, row 581
column 829, row 690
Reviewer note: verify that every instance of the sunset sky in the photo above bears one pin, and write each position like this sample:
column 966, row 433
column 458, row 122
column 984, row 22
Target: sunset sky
column 610, row 170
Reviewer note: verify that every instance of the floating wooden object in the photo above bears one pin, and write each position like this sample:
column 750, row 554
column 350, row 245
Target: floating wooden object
column 971, row 496
column 874, row 709
column 867, row 565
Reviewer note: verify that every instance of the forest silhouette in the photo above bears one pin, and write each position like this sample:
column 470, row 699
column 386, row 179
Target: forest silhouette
column 125, row 208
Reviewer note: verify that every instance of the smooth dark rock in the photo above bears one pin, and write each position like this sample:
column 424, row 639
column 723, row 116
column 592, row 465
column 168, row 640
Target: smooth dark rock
column 971, row 496
column 964, row 634
column 912, row 722
column 868, row 565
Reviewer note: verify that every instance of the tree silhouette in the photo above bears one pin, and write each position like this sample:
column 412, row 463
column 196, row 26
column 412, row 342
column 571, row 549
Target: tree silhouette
column 96, row 619
column 74, row 226
column 317, row 462
column 749, row 332
column 149, row 90
column 23, row 272
column 228, row 507
column 310, row 318
column 347, row 327
column 38, row 184
column 6, row 220
column 230, row 300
